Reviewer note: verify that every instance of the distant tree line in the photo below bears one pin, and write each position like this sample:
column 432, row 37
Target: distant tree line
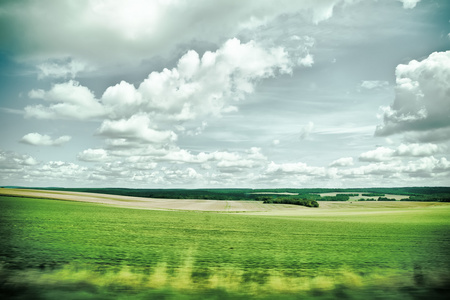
column 430, row 198
column 338, row 197
column 386, row 199
column 291, row 200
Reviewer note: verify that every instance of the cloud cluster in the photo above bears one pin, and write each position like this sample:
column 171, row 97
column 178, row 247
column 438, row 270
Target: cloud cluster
column 180, row 168
column 198, row 88
column 422, row 101
column 13, row 161
column 381, row 154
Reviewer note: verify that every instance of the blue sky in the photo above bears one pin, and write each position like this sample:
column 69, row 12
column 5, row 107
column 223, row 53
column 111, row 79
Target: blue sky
column 164, row 94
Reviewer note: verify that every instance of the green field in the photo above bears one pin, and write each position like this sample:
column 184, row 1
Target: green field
column 62, row 249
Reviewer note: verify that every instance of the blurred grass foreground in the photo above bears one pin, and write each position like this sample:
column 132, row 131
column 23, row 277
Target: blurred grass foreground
column 71, row 282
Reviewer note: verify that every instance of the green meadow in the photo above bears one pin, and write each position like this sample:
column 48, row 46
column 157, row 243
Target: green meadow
column 54, row 249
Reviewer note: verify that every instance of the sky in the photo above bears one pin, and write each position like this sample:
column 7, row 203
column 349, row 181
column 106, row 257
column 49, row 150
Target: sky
column 225, row 93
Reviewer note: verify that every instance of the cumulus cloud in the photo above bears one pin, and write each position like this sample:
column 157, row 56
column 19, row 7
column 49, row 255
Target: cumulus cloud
column 422, row 101
column 306, row 61
column 37, row 139
column 198, row 86
column 93, row 155
column 209, row 85
column 135, row 128
column 70, row 100
column 295, row 168
column 342, row 162
column 416, row 150
column 382, row 154
column 377, row 155
column 409, row 4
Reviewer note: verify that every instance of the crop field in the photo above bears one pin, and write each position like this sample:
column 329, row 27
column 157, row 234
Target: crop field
column 53, row 249
column 360, row 195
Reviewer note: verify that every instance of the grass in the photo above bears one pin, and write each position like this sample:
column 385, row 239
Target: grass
column 50, row 248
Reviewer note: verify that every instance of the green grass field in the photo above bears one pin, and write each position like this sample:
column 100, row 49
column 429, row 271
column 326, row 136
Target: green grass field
column 61, row 249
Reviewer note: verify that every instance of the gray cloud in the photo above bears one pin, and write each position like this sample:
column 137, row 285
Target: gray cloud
column 129, row 33
column 422, row 101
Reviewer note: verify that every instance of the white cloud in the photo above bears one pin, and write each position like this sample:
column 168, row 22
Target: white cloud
column 408, row 4
column 421, row 100
column 295, row 168
column 72, row 101
column 342, row 162
column 374, row 84
column 122, row 100
column 136, row 128
column 306, row 61
column 37, row 139
column 382, row 154
column 209, row 85
column 93, row 155
column 416, row 150
column 378, row 155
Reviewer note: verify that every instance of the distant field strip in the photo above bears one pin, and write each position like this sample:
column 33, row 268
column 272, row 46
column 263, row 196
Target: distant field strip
column 360, row 196
column 253, row 207
column 152, row 203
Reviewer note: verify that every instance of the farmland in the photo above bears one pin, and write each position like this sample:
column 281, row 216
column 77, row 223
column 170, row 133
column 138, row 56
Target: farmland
column 103, row 247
